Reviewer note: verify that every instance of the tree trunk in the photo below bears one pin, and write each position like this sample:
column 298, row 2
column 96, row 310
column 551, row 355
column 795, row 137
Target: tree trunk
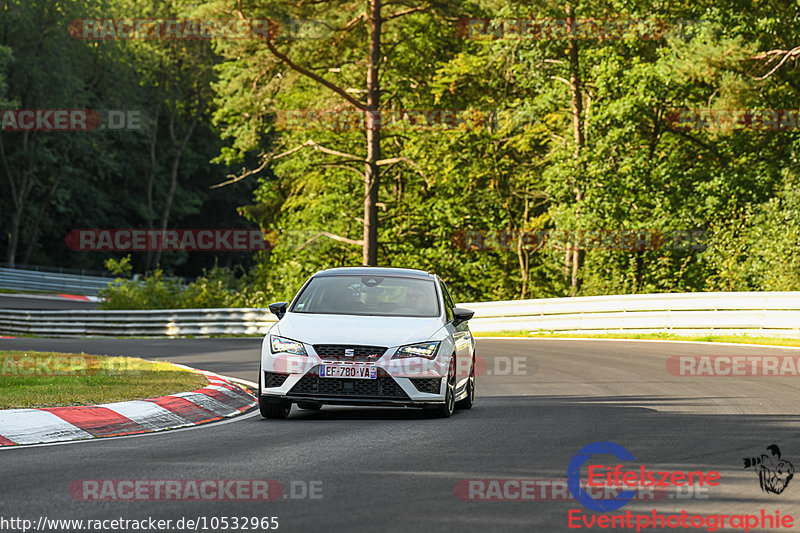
column 150, row 213
column 19, row 193
column 369, row 242
column 173, row 184
column 522, row 255
column 13, row 237
column 577, row 112
column 372, row 176
column 567, row 258
column 44, row 203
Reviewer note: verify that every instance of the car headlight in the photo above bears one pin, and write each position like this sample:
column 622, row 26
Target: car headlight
column 283, row 345
column 422, row 349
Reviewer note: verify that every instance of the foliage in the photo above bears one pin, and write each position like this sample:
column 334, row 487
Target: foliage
column 120, row 267
column 215, row 288
column 54, row 182
column 636, row 169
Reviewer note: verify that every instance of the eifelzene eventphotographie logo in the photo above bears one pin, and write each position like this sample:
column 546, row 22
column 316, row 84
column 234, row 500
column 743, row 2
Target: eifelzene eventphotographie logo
column 774, row 472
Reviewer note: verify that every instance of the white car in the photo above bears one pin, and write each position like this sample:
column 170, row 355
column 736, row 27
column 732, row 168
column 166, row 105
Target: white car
column 368, row 336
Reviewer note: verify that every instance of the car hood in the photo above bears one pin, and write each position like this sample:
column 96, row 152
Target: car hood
column 360, row 330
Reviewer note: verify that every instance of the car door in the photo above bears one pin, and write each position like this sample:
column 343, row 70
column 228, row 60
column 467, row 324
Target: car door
column 461, row 337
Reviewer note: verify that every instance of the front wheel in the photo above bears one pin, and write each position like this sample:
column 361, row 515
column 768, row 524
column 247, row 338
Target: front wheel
column 274, row 408
column 446, row 409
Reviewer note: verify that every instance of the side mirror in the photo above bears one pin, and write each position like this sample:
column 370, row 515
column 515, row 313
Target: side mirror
column 278, row 309
column 461, row 315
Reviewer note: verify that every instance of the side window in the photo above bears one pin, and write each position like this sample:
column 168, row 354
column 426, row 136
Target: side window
column 448, row 302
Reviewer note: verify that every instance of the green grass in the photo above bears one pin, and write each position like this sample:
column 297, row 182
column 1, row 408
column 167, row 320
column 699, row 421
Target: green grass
column 26, row 291
column 741, row 339
column 49, row 379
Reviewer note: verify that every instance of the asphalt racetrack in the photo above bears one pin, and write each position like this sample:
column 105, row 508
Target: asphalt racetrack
column 376, row 469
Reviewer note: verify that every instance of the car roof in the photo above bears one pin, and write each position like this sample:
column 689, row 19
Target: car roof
column 375, row 271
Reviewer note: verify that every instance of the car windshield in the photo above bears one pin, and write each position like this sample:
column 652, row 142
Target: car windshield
column 368, row 295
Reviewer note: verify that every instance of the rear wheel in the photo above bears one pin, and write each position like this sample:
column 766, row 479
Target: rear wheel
column 468, row 402
column 446, row 409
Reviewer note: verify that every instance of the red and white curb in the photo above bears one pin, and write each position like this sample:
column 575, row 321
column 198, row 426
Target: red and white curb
column 74, row 297
column 79, row 297
column 221, row 398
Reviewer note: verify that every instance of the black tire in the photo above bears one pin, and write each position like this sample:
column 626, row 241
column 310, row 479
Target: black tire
column 309, row 406
column 273, row 408
column 446, row 409
column 469, row 401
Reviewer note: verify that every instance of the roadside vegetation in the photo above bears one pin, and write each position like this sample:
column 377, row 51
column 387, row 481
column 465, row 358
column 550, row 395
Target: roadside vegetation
column 738, row 339
column 216, row 288
column 49, row 379
column 586, row 135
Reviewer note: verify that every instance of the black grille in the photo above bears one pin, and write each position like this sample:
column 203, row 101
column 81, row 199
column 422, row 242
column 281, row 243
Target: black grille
column 271, row 379
column 382, row 387
column 429, row 385
column 335, row 352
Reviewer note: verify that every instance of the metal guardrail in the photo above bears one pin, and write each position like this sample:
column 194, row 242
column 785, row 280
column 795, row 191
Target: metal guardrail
column 701, row 313
column 757, row 313
column 158, row 323
column 57, row 269
column 33, row 280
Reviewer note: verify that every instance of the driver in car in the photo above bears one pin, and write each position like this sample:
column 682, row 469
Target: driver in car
column 416, row 300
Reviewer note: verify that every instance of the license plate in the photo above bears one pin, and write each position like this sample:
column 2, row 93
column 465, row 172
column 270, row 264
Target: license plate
column 348, row 371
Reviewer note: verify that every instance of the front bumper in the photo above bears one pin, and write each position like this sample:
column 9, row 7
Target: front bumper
column 417, row 384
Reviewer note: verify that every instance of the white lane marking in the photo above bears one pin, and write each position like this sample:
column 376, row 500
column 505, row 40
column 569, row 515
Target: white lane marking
column 147, row 414
column 30, row 426
column 170, row 431
column 592, row 339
